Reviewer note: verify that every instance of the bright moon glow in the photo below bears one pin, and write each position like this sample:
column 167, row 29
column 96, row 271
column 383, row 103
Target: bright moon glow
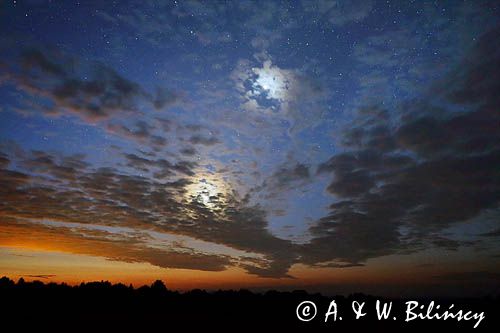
column 271, row 81
column 205, row 190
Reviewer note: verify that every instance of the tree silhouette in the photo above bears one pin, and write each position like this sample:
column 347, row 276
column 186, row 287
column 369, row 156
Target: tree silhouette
column 102, row 303
column 158, row 286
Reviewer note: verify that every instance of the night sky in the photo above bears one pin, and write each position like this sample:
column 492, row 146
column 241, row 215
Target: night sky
column 334, row 146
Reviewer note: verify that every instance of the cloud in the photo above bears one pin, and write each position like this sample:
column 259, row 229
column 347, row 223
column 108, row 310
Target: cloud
column 92, row 91
column 165, row 98
column 297, row 172
column 125, row 248
column 400, row 182
column 188, row 151
column 289, row 176
column 67, row 190
column 339, row 12
column 142, row 132
column 164, row 168
column 203, row 140
column 42, row 276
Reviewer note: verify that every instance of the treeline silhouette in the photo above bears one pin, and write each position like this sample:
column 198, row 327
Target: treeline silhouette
column 103, row 304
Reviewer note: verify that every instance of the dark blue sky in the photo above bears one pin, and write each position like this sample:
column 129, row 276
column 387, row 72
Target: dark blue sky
column 322, row 134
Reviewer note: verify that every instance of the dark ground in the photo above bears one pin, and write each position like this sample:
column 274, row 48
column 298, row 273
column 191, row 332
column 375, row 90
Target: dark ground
column 97, row 306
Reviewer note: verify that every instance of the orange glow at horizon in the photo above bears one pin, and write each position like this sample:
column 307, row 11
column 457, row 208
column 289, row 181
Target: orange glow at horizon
column 38, row 252
column 34, row 263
